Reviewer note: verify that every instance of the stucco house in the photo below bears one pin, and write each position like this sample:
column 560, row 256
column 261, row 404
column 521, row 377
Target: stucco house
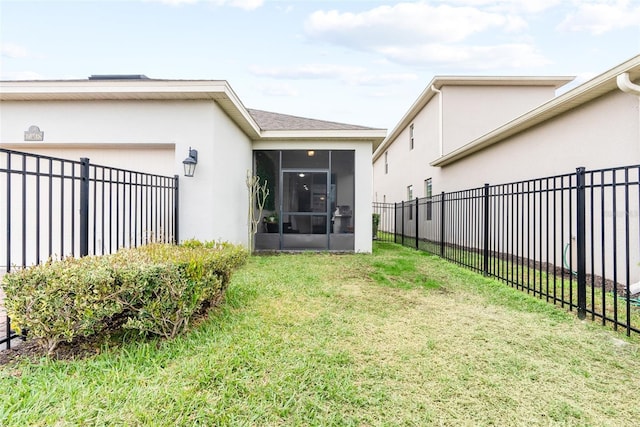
column 320, row 172
column 515, row 134
column 465, row 131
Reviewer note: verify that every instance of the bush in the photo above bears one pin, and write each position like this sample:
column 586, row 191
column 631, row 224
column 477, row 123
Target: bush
column 164, row 297
column 59, row 301
column 157, row 289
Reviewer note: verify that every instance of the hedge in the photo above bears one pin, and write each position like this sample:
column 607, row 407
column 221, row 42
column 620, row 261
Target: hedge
column 157, row 289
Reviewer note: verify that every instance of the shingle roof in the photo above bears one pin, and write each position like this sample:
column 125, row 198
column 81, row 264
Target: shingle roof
column 267, row 120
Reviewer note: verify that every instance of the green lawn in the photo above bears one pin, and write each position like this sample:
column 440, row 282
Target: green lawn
column 394, row 338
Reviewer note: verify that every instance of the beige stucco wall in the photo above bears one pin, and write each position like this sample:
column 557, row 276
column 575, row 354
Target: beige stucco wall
column 406, row 166
column 603, row 133
column 150, row 136
column 468, row 112
column 472, row 111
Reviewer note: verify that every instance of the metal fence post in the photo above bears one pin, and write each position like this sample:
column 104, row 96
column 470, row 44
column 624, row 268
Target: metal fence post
column 442, row 224
column 581, row 243
column 417, row 225
column 395, row 223
column 485, row 266
column 176, row 211
column 84, row 206
column 402, row 222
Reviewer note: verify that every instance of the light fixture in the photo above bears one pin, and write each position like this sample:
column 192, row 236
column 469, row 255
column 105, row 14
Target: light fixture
column 301, row 175
column 311, row 153
column 190, row 162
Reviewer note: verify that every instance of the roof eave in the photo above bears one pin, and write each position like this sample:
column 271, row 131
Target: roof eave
column 374, row 135
column 216, row 90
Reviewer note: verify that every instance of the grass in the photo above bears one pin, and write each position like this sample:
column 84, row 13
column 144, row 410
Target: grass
column 394, row 338
column 553, row 287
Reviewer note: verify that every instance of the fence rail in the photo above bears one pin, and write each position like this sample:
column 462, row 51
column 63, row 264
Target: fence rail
column 57, row 207
column 571, row 239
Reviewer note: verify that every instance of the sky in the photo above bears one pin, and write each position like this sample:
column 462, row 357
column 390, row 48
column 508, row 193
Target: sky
column 359, row 62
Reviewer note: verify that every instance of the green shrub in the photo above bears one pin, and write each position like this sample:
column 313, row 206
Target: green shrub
column 59, row 301
column 157, row 288
column 164, row 297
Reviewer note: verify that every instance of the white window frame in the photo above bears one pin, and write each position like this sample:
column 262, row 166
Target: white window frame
column 411, row 145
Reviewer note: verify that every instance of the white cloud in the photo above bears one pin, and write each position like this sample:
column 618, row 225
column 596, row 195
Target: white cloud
column 276, row 89
column 384, row 79
column 405, row 23
column 346, row 74
column 309, row 71
column 601, row 16
column 245, row 4
column 242, row 4
column 512, row 6
column 173, row 2
column 470, row 57
column 11, row 50
column 421, row 33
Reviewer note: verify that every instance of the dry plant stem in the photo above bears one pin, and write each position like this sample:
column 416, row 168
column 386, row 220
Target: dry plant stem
column 257, row 196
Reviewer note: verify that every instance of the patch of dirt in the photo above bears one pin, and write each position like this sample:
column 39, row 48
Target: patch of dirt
column 32, row 351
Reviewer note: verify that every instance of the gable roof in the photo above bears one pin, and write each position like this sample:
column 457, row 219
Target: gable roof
column 275, row 121
column 439, row 81
column 594, row 88
column 256, row 124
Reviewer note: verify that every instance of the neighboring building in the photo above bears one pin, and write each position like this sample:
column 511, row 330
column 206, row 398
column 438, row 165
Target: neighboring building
column 463, row 132
column 449, row 113
column 321, row 174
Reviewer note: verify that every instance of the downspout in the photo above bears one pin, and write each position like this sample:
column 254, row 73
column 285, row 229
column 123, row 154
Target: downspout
column 440, row 139
column 626, row 85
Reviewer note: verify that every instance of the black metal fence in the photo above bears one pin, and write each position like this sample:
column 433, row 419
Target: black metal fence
column 571, row 239
column 55, row 208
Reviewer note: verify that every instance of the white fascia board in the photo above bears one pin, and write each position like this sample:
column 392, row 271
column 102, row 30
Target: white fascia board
column 374, row 135
column 524, row 81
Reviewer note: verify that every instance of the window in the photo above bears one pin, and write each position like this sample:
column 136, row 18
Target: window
column 410, row 192
column 411, row 137
column 428, row 192
column 427, row 188
column 386, row 162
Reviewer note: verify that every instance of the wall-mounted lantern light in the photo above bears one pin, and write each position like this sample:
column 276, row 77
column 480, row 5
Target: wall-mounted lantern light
column 190, row 162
